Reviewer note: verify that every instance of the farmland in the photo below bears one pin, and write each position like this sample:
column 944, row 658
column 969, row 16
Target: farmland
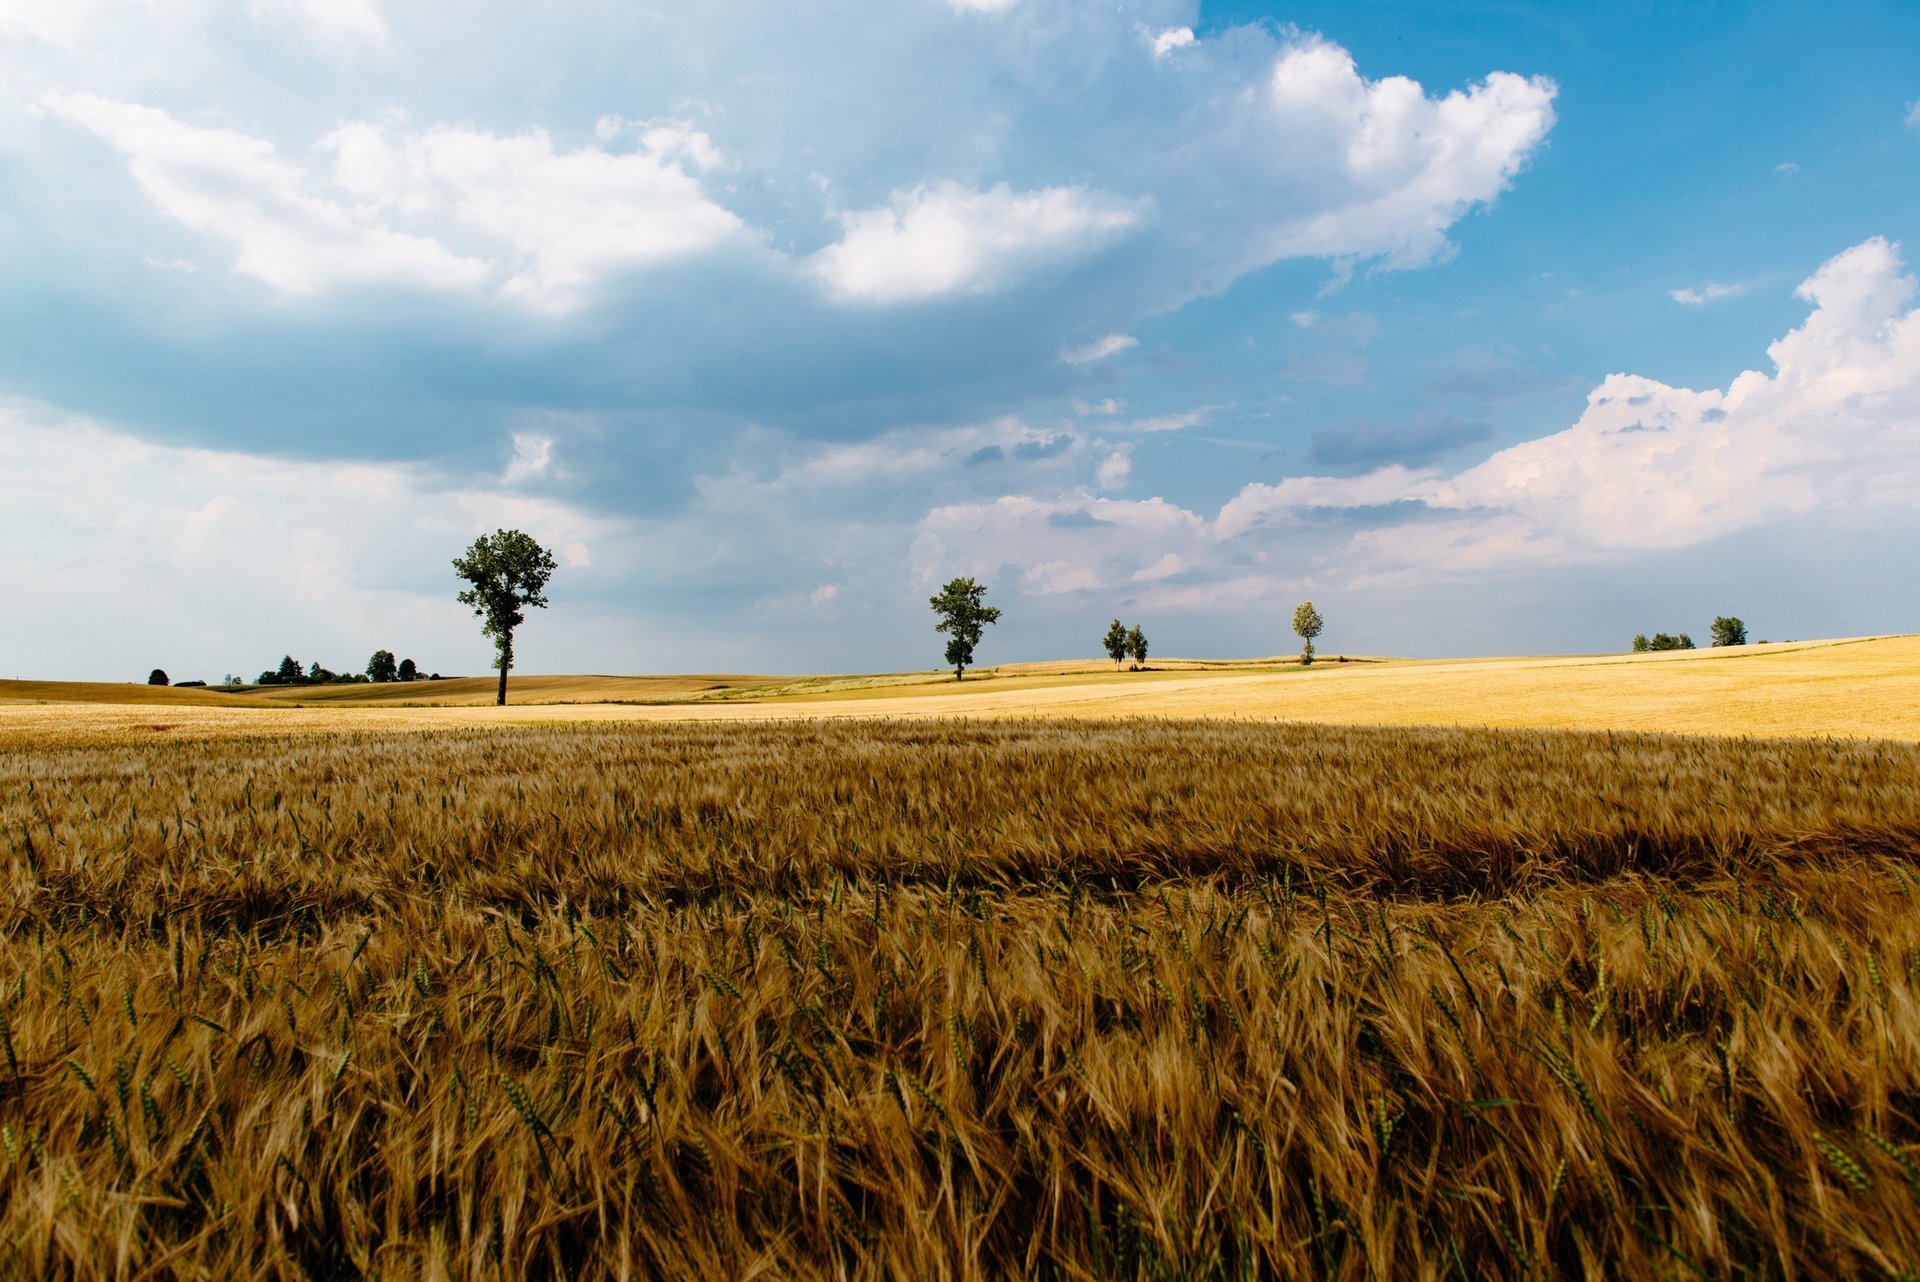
column 1865, row 687
column 925, row 997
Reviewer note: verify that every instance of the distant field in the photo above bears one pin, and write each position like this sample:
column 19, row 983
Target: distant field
column 1867, row 687
column 1050, row 999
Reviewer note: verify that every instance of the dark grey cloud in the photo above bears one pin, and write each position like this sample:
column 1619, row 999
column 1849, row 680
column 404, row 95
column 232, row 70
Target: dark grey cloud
column 1376, row 442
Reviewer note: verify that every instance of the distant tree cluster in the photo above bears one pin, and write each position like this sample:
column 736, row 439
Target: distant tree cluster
column 1122, row 643
column 1661, row 641
column 1728, row 629
column 382, row 668
column 292, row 673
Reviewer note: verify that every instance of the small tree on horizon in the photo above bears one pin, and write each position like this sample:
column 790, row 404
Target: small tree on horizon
column 1137, row 644
column 507, row 570
column 1306, row 625
column 1640, row 643
column 407, row 672
column 1116, row 643
column 1729, row 629
column 158, row 677
column 964, row 614
column 381, row 667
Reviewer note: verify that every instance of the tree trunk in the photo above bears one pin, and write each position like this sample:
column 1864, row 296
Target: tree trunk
column 501, row 702
column 959, row 672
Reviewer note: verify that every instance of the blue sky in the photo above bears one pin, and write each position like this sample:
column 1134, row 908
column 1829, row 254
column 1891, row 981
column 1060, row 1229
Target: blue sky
column 1492, row 328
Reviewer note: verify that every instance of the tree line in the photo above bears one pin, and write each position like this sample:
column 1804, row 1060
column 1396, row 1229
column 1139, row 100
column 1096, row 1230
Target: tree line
column 962, row 611
column 506, row 573
column 1728, row 629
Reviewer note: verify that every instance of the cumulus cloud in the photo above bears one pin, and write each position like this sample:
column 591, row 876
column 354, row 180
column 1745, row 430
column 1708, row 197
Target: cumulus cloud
column 1835, row 428
column 1389, row 167
column 1267, row 145
column 947, row 239
column 241, row 190
column 544, row 225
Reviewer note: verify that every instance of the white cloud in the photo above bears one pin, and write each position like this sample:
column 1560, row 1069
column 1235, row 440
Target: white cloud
column 948, row 239
column 559, row 222
column 1836, row 426
column 1389, row 169
column 1696, row 295
column 239, row 189
column 1099, row 349
column 1165, row 568
column 1834, row 430
column 532, row 457
column 1165, row 42
column 1786, row 167
column 982, row 6
column 1114, row 470
column 547, row 225
column 1913, row 115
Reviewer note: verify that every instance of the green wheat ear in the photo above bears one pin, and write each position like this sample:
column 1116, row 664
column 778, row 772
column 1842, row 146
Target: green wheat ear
column 1843, row 1163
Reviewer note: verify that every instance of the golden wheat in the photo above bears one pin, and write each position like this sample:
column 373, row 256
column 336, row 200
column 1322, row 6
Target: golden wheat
column 960, row 1000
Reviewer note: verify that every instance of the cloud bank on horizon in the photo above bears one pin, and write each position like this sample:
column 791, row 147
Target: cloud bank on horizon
column 768, row 325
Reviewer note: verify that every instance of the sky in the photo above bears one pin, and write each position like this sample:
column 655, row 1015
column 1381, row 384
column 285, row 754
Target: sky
column 1490, row 327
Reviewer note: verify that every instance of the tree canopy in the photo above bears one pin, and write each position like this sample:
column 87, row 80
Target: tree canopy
column 964, row 614
column 507, row 572
column 1116, row 642
column 1307, row 624
column 1729, row 629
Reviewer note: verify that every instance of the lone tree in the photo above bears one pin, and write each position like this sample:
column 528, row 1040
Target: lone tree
column 1137, row 644
column 158, row 677
column 381, row 667
column 508, row 570
column 1116, row 642
column 1307, row 624
column 1728, row 629
column 963, row 613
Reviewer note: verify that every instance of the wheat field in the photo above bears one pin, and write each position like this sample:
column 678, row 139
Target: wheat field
column 925, row 999
column 1866, row 687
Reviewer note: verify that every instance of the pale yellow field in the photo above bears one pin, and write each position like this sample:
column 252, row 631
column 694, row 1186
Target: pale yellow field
column 1864, row 687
